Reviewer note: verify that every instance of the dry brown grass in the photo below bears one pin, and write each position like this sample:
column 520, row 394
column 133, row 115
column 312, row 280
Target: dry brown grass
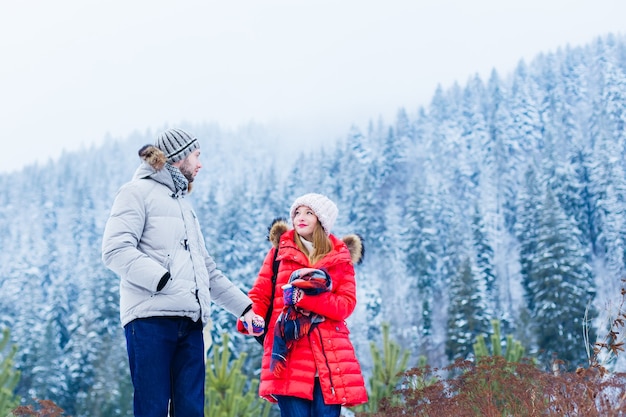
column 47, row 408
column 493, row 387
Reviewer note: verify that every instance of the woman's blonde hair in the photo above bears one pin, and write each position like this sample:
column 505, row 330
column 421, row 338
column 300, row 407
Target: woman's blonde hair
column 321, row 244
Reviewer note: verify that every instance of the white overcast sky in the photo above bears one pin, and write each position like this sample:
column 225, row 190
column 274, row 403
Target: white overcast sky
column 73, row 71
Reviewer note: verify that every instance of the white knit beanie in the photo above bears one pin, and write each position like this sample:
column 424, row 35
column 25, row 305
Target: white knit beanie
column 176, row 144
column 325, row 210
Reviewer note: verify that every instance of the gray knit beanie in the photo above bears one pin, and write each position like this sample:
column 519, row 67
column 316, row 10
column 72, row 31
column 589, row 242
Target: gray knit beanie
column 325, row 210
column 176, row 144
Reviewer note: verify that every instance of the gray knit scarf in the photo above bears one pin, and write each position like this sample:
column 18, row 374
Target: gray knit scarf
column 180, row 182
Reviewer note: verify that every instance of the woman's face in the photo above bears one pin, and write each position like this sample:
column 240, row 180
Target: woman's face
column 304, row 221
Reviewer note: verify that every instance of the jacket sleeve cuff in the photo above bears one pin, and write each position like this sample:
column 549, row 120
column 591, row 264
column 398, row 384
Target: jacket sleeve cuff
column 166, row 277
column 246, row 310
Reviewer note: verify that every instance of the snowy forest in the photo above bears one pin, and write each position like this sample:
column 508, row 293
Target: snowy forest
column 503, row 198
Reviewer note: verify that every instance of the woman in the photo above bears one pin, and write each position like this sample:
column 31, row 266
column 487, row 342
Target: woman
column 313, row 371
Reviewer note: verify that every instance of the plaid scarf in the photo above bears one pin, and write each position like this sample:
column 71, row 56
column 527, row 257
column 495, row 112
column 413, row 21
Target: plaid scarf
column 180, row 182
column 293, row 323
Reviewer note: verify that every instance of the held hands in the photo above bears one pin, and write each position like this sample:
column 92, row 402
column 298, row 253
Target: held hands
column 291, row 294
column 254, row 323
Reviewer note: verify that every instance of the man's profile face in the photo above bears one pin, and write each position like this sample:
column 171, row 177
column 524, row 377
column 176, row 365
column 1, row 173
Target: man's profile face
column 191, row 165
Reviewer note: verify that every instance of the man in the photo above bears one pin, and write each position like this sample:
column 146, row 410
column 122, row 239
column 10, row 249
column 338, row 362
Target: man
column 153, row 241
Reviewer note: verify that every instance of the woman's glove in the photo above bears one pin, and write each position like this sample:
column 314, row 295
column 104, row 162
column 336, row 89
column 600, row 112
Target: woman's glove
column 291, row 294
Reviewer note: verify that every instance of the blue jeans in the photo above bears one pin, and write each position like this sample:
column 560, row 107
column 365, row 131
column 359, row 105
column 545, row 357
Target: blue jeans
column 166, row 357
column 299, row 407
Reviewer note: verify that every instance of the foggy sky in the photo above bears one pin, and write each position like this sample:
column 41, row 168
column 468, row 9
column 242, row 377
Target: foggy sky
column 75, row 72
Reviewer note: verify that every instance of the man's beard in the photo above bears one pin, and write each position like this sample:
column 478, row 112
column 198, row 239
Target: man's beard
column 186, row 169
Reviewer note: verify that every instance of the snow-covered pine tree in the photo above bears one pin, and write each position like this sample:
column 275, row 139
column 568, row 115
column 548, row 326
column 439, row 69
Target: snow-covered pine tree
column 559, row 286
column 466, row 313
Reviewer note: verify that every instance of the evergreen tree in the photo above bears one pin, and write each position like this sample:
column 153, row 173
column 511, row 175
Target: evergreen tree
column 526, row 120
column 421, row 259
column 614, row 98
column 370, row 196
column 608, row 187
column 528, row 229
column 575, row 194
column 560, row 286
column 386, row 375
column 573, row 99
column 233, row 254
column 513, row 352
column 393, row 172
column 485, row 265
column 466, row 314
column 505, row 155
column 9, row 376
column 229, row 392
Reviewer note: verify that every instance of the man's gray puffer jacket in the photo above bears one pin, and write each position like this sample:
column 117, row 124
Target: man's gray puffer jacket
column 153, row 230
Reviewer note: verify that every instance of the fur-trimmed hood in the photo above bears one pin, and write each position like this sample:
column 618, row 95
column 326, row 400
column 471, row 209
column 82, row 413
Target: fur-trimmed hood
column 153, row 156
column 154, row 161
column 354, row 242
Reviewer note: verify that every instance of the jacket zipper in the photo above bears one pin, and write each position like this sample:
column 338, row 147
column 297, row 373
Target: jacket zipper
column 330, row 374
column 185, row 243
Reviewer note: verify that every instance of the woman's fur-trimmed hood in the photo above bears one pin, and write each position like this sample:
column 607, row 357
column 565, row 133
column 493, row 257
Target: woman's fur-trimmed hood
column 354, row 242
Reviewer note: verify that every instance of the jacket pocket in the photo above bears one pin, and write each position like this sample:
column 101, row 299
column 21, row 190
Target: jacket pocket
column 167, row 263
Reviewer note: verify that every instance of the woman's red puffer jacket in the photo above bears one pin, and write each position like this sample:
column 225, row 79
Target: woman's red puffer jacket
column 327, row 351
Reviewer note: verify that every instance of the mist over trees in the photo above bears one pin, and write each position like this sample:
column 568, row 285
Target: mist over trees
column 503, row 199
